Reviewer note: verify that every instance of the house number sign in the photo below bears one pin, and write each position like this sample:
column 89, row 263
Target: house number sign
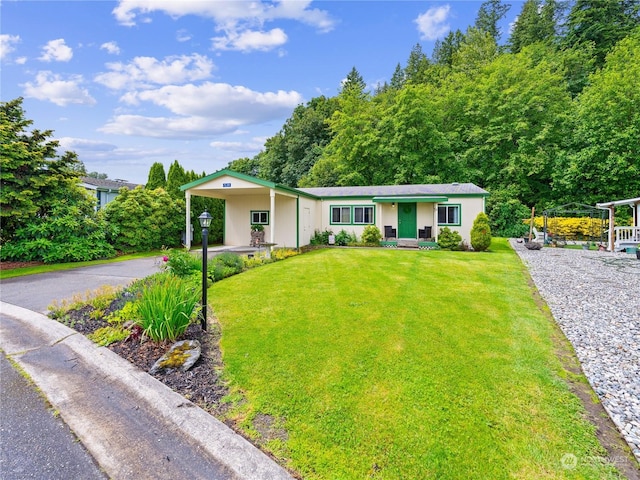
column 226, row 185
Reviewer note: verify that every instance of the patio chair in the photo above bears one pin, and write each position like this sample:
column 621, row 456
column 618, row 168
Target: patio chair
column 389, row 232
column 424, row 232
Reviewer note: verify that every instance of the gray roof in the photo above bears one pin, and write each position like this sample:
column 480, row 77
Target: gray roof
column 397, row 190
column 108, row 184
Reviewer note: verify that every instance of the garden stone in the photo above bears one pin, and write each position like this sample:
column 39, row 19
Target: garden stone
column 533, row 245
column 182, row 355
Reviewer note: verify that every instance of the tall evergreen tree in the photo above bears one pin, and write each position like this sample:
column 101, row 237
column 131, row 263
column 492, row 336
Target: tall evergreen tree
column 157, row 178
column 537, row 22
column 398, row 78
column 489, row 14
column 417, row 66
column 175, row 179
column 444, row 50
column 601, row 22
column 32, row 175
column 354, row 83
column 45, row 214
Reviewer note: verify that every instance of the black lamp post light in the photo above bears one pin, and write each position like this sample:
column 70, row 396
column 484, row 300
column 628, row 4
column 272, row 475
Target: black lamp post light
column 205, row 221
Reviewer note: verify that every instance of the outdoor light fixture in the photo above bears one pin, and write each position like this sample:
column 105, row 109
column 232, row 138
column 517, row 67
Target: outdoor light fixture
column 205, row 221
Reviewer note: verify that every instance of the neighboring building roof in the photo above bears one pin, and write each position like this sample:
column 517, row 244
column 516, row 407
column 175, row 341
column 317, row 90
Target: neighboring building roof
column 105, row 184
column 448, row 189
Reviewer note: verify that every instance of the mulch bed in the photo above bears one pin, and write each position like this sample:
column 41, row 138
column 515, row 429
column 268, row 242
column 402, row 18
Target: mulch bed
column 201, row 384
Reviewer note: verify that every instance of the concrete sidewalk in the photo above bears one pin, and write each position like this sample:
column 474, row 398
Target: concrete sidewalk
column 132, row 424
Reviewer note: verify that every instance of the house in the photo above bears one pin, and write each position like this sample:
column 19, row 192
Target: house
column 103, row 189
column 619, row 238
column 409, row 215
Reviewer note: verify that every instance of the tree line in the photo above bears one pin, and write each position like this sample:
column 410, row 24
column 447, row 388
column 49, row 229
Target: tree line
column 551, row 116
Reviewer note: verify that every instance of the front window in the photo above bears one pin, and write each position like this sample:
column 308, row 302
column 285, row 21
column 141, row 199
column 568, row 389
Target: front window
column 448, row 214
column 260, row 217
column 363, row 215
column 340, row 214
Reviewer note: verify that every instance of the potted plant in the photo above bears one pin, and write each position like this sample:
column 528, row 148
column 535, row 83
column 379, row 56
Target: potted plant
column 257, row 235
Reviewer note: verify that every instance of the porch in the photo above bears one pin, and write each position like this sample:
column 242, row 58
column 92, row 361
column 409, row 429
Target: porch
column 622, row 237
column 625, row 237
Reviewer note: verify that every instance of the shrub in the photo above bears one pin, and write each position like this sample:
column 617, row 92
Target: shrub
column 321, row 238
column 481, row 233
column 68, row 233
column 371, row 235
column 569, row 227
column 224, row 265
column 182, row 263
column 166, row 306
column 506, row 218
column 282, row 253
column 144, row 220
column 448, row 238
column 343, row 238
column 110, row 334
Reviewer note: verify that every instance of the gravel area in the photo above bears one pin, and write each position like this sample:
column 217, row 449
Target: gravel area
column 595, row 299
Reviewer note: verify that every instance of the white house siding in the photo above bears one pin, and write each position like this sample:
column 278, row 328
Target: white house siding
column 309, row 218
column 470, row 207
column 351, row 227
column 286, row 220
column 237, row 222
column 427, row 216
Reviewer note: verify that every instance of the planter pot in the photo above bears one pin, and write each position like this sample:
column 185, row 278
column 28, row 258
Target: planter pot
column 257, row 238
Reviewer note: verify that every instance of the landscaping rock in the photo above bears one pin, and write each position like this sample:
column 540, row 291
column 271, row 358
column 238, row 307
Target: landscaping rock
column 533, row 245
column 182, row 355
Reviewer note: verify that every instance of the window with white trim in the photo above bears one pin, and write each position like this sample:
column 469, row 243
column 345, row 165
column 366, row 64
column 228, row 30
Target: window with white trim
column 449, row 215
column 363, row 215
column 259, row 217
column 341, row 215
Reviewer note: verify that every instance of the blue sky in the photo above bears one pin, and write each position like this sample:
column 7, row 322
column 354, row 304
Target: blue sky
column 125, row 84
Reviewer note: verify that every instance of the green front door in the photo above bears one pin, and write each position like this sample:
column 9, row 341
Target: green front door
column 407, row 220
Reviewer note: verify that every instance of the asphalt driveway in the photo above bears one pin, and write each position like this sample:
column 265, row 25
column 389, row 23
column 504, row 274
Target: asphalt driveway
column 37, row 292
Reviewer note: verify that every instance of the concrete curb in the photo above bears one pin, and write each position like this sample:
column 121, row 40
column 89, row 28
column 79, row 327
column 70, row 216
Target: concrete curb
column 132, row 424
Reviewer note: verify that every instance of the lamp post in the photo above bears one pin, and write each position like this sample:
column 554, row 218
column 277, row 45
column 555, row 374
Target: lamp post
column 205, row 220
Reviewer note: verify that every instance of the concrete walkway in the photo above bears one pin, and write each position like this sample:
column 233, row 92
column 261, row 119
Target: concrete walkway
column 132, row 425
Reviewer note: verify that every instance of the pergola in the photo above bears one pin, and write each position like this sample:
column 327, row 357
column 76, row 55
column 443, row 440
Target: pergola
column 596, row 229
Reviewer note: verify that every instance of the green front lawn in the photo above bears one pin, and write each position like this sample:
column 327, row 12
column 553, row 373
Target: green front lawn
column 402, row 365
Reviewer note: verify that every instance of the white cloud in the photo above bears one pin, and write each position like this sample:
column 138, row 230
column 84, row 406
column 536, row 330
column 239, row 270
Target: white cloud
column 84, row 144
column 254, row 145
column 432, row 23
column 167, row 127
column 56, row 50
column 227, row 12
column 241, row 22
column 250, row 40
column 53, row 88
column 7, row 43
column 143, row 72
column 111, row 47
column 202, row 110
column 222, row 101
column 183, row 35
